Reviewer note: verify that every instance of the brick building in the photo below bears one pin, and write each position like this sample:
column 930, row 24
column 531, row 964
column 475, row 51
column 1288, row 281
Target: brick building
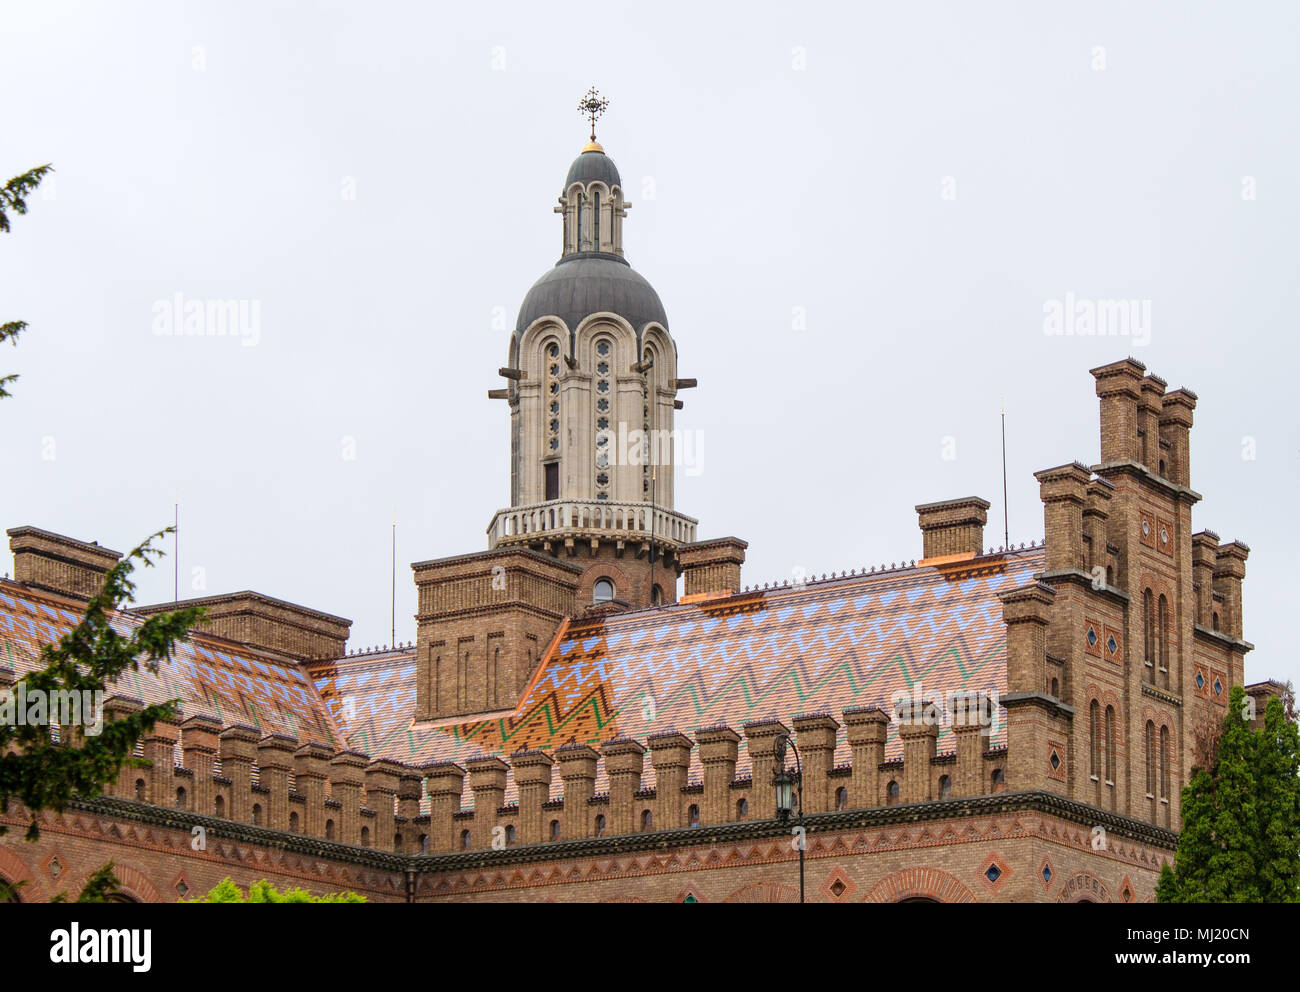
column 595, row 706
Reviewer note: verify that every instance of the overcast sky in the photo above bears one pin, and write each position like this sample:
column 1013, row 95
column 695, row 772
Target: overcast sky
column 856, row 217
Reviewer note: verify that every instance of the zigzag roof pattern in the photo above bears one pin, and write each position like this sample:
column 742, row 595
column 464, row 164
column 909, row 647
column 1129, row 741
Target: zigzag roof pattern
column 823, row 646
column 209, row 675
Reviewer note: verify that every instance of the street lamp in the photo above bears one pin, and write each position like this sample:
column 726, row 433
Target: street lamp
column 789, row 797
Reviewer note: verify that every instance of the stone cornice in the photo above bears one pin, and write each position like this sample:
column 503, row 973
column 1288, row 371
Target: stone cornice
column 1222, row 639
column 1176, row 492
column 1160, row 694
column 1078, row 577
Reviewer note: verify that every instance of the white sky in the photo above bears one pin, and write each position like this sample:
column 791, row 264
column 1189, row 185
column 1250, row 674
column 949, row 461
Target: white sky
column 775, row 187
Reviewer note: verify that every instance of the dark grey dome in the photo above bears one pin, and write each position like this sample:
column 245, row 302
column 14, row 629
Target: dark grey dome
column 587, row 283
column 591, row 166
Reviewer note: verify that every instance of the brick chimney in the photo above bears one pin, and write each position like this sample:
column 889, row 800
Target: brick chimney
column 268, row 624
column 712, row 568
column 59, row 564
column 952, row 527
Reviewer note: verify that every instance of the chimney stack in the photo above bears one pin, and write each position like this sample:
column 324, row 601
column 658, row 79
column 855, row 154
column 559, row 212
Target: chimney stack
column 59, row 564
column 953, row 527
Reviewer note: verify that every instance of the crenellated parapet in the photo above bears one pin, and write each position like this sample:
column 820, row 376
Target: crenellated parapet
column 240, row 774
column 574, row 811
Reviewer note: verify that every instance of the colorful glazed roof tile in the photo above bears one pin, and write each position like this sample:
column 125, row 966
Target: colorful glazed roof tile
column 208, row 675
column 824, row 646
column 820, row 647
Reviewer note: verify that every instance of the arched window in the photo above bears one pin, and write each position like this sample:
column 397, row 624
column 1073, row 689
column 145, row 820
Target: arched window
column 603, row 591
column 329, row 829
column 657, row 595
column 555, row 830
column 595, row 222
column 141, row 790
column 257, row 814
column 1164, row 631
column 510, row 833
column 1151, row 759
column 600, row 824
column 1056, row 689
column 891, row 793
column 647, row 820
column 945, row 787
column 998, row 780
column 602, row 392
column 1215, row 620
column 293, row 822
column 181, row 797
column 1164, row 762
column 693, row 816
column 1110, row 744
column 841, row 798
column 219, row 807
column 1094, row 739
column 551, row 421
column 1148, row 632
column 742, row 808
column 424, row 843
column 464, row 840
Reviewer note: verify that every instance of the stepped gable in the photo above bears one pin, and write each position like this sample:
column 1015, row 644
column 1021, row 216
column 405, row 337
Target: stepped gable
column 824, row 646
column 209, row 675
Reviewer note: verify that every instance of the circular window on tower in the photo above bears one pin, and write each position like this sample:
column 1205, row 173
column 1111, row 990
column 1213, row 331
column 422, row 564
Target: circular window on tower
column 603, row 591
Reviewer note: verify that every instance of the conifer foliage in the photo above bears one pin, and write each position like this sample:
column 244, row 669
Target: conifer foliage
column 1241, row 818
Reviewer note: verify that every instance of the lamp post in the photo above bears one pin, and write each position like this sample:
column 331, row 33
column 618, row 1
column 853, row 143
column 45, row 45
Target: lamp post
column 789, row 796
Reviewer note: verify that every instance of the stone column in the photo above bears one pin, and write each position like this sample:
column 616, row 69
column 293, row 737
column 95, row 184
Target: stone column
column 160, row 750
column 762, row 735
column 445, row 782
column 624, row 761
column 918, row 726
column 578, row 773
column 274, row 763
column 238, row 752
column 868, row 728
column 382, row 777
column 487, row 778
column 718, row 750
column 816, row 743
column 670, row 755
column 533, row 778
column 311, row 764
column 347, row 772
column 200, row 735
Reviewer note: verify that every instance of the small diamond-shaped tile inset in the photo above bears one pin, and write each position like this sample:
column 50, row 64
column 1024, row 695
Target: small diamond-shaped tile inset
column 838, row 886
column 1126, row 890
column 1092, row 637
column 1111, row 644
column 1055, row 760
column 1200, row 681
column 995, row 872
column 1218, row 688
column 1046, row 873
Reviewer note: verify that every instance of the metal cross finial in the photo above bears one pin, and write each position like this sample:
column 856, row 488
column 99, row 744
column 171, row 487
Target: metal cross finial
column 593, row 105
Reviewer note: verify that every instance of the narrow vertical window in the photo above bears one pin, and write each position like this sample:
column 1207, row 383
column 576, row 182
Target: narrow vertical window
column 595, row 220
column 1162, row 614
column 1094, row 732
column 1164, row 762
column 601, row 385
column 1110, row 744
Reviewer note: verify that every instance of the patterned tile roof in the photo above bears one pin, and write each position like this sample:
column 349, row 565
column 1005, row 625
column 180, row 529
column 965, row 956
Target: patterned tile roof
column 208, row 675
column 824, row 646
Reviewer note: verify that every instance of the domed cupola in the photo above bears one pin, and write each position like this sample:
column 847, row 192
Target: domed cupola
column 592, row 388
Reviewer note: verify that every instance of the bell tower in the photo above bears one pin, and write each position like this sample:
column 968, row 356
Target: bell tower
column 592, row 390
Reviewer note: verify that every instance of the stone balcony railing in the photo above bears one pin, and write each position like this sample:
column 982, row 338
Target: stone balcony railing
column 588, row 518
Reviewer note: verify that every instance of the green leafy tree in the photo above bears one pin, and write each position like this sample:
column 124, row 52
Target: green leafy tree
column 13, row 198
column 264, row 891
column 100, row 887
column 1241, row 818
column 43, row 774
